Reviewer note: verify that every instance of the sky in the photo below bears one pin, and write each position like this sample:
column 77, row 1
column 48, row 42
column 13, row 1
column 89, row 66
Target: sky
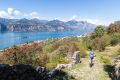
column 94, row 11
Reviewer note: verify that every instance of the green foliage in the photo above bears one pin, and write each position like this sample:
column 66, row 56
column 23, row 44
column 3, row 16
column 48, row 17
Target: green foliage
column 105, row 60
column 98, row 44
column 87, row 42
column 114, row 28
column 50, row 41
column 107, row 39
column 63, row 50
column 73, row 38
column 99, row 31
column 48, row 48
column 82, row 48
column 22, row 54
column 115, row 39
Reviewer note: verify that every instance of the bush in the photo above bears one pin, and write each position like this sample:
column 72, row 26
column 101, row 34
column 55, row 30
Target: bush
column 107, row 39
column 21, row 54
column 87, row 42
column 82, row 48
column 40, row 59
column 50, row 66
column 48, row 48
column 115, row 39
column 99, row 31
column 63, row 50
column 105, row 60
column 98, row 44
column 114, row 28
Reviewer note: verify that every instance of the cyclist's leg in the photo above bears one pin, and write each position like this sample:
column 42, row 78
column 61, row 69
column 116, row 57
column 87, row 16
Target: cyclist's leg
column 90, row 62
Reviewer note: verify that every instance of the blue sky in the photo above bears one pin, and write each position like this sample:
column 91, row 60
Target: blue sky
column 94, row 11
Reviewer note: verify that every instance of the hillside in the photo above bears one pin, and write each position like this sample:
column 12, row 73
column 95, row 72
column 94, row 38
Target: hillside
column 67, row 58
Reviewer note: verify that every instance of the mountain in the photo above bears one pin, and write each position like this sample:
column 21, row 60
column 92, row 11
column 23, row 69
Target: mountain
column 81, row 25
column 72, row 23
column 6, row 21
column 2, row 27
column 26, row 25
column 56, row 25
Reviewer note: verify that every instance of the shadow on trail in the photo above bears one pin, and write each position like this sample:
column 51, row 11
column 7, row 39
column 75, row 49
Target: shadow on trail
column 91, row 65
column 109, row 69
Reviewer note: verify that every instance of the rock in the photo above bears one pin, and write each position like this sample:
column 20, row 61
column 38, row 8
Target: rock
column 116, row 65
column 70, row 65
column 52, row 73
column 76, row 57
column 61, row 66
column 18, row 72
column 40, row 69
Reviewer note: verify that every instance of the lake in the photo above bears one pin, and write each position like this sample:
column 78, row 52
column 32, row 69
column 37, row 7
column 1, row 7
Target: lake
column 8, row 39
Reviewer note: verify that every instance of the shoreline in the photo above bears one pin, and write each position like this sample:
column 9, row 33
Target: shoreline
column 39, row 41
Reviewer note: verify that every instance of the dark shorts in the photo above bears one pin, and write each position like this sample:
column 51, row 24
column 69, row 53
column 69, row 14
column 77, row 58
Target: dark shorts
column 91, row 58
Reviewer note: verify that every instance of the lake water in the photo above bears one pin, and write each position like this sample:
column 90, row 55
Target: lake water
column 8, row 39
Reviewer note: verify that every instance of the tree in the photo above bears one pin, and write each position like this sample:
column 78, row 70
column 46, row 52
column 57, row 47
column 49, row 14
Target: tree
column 114, row 27
column 99, row 31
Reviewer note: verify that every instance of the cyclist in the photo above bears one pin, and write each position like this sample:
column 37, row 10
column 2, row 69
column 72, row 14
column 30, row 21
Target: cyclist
column 91, row 56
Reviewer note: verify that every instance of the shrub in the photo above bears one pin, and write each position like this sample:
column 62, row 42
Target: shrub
column 99, row 31
column 50, row 66
column 98, row 44
column 21, row 54
column 115, row 39
column 82, row 48
column 87, row 42
column 107, row 39
column 105, row 60
column 63, row 50
column 40, row 59
column 114, row 28
column 48, row 48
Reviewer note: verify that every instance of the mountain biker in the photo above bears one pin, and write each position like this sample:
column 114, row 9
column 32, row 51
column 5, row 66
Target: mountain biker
column 91, row 56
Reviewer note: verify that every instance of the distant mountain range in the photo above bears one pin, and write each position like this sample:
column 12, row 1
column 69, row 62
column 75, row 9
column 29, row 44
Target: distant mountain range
column 26, row 25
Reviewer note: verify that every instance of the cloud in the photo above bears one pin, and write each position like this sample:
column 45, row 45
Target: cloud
column 34, row 15
column 25, row 15
column 3, row 14
column 10, row 11
column 93, row 21
column 14, row 13
column 74, row 17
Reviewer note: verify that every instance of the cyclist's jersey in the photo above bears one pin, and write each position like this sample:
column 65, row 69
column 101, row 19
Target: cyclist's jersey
column 91, row 55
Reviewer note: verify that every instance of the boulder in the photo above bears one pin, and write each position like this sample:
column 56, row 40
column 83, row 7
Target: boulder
column 76, row 57
column 40, row 69
column 116, row 65
column 18, row 72
column 61, row 66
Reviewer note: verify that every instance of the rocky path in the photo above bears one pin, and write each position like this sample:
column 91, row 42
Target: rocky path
column 82, row 71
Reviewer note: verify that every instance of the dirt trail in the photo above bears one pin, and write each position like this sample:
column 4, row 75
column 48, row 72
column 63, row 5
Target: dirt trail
column 82, row 71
